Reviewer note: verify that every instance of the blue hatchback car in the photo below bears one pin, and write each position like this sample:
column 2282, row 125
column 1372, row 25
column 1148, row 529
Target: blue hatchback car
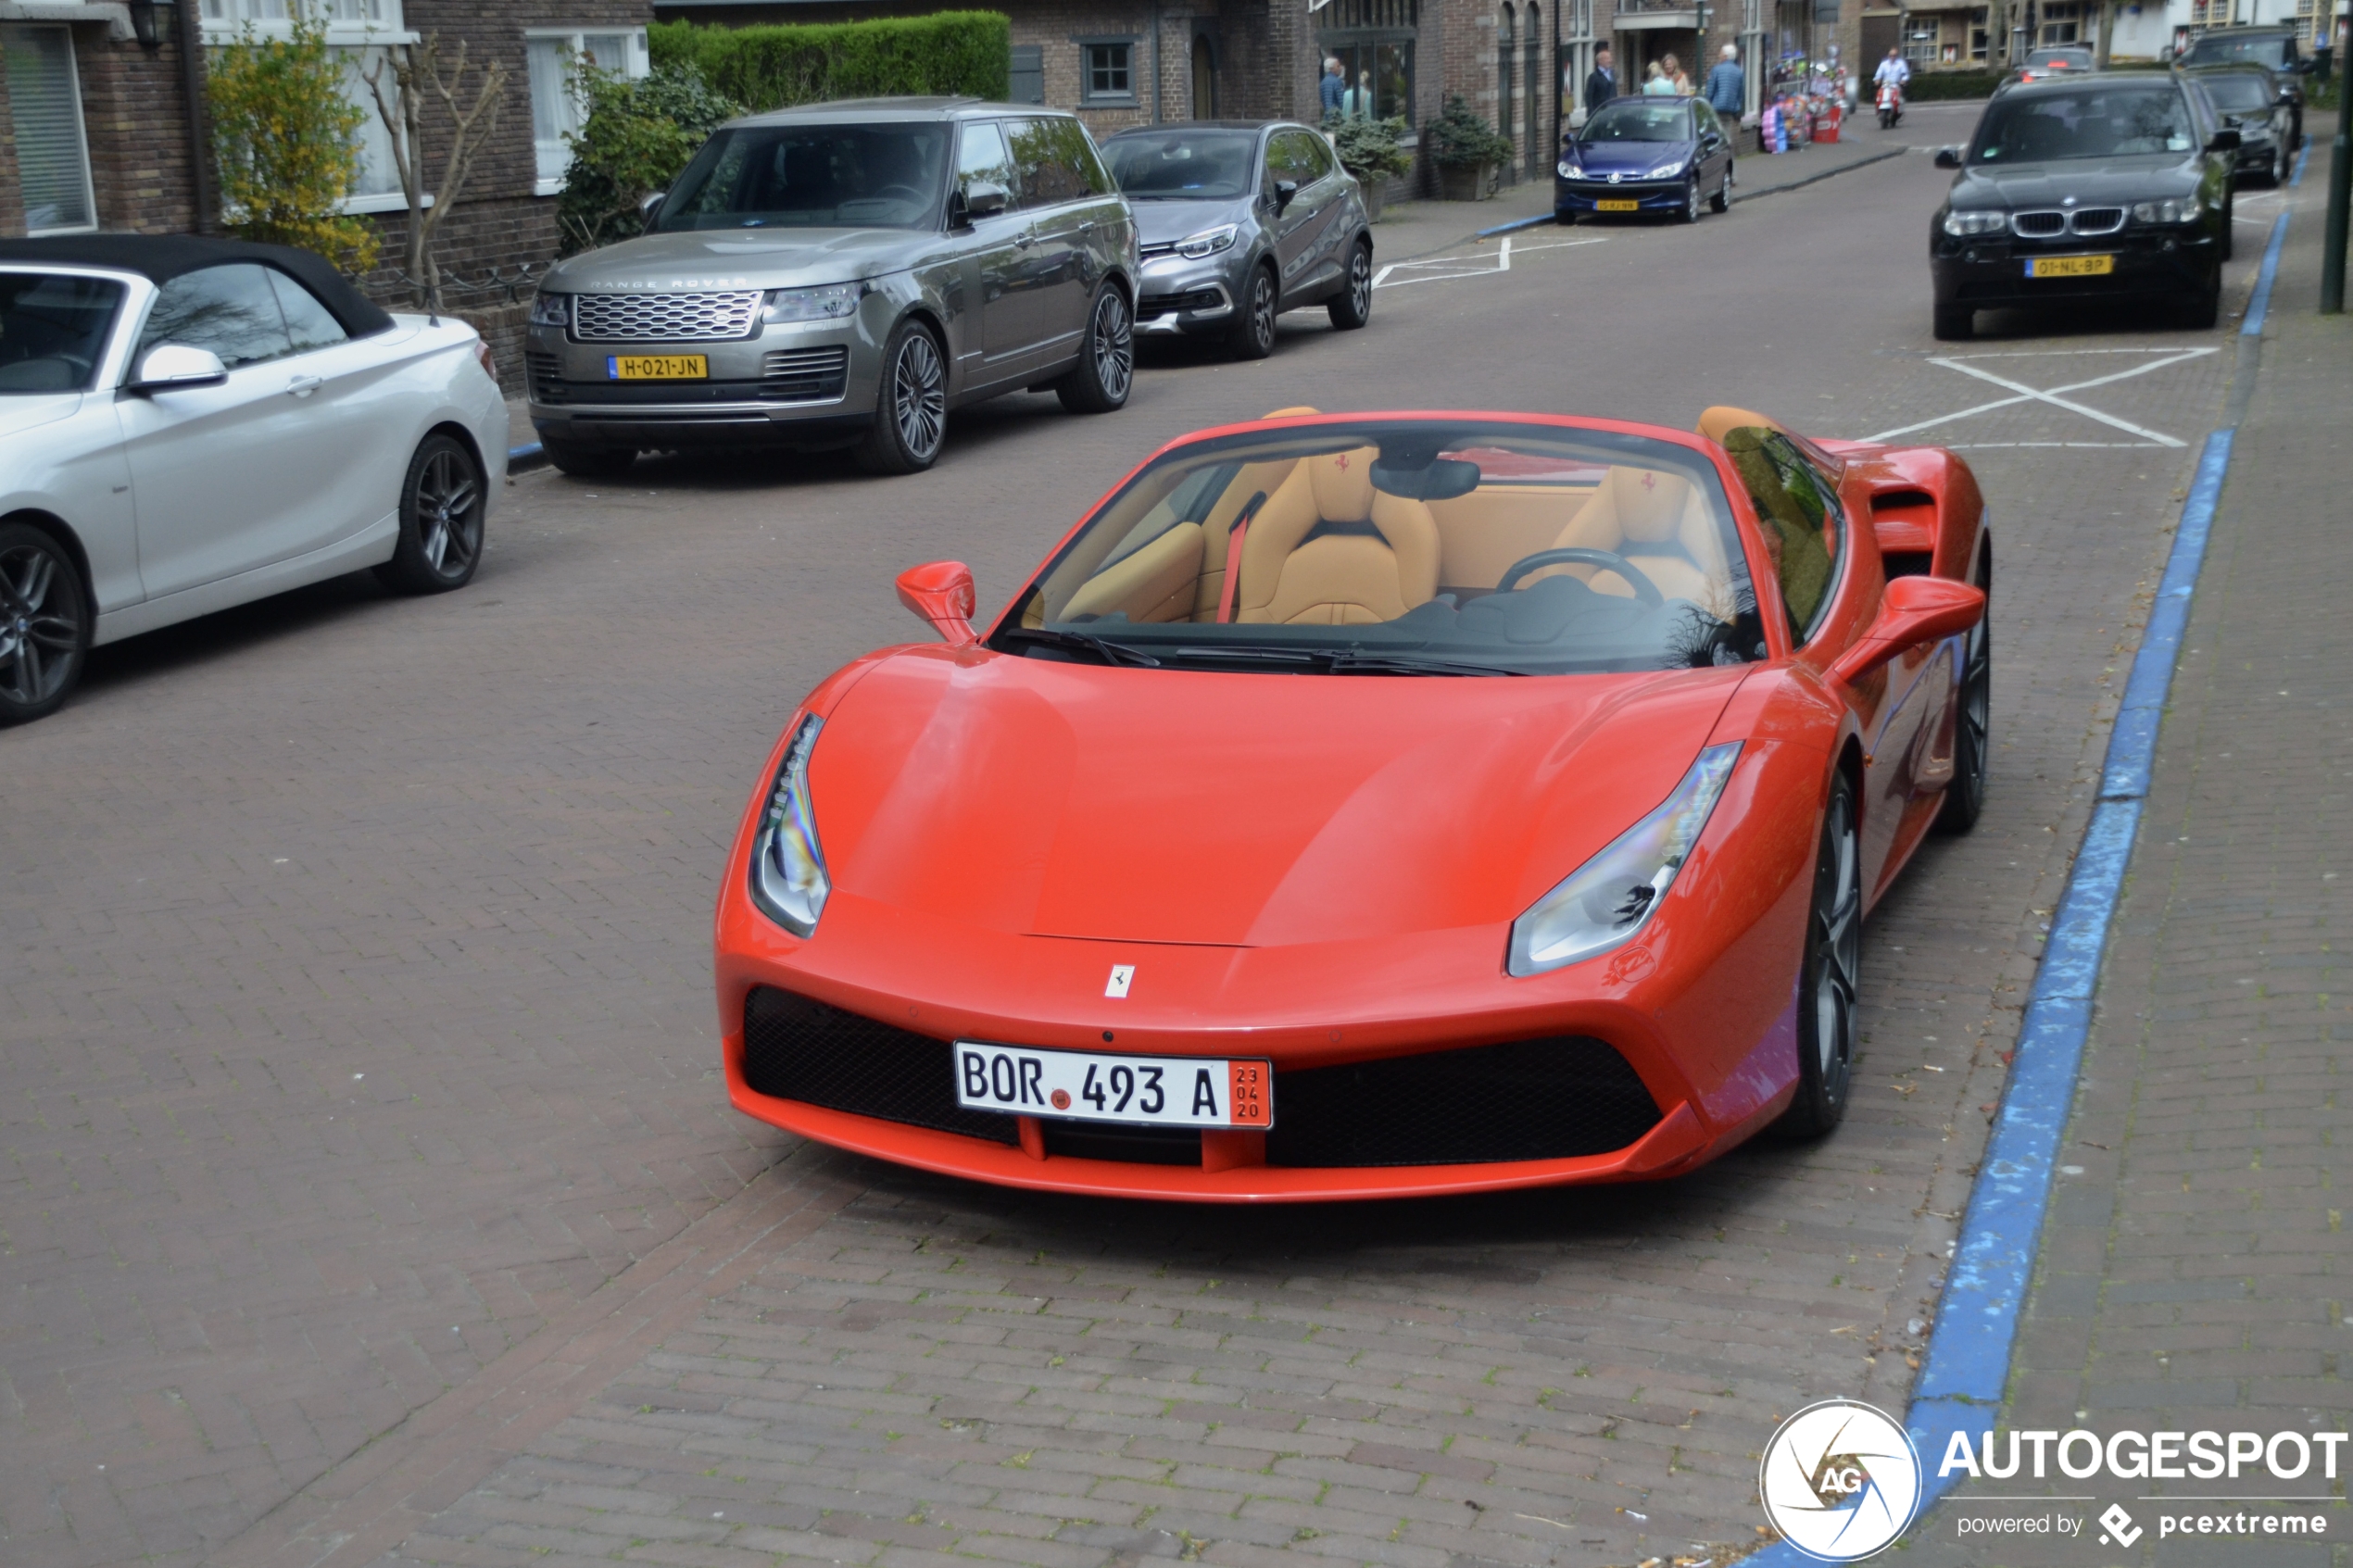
column 1648, row 155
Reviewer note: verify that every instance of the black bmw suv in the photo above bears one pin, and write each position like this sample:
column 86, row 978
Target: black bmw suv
column 2113, row 185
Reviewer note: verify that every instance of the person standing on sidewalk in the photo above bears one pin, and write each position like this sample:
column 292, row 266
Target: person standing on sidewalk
column 1601, row 86
column 1334, row 85
column 1726, row 91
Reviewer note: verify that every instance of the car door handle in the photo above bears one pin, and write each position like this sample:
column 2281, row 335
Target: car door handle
column 1088, row 226
column 1025, row 241
column 303, row 386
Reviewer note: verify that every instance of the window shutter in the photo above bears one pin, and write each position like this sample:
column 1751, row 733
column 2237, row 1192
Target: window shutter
column 53, row 166
column 1028, row 74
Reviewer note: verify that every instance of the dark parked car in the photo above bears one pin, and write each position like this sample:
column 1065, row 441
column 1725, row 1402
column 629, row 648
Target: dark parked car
column 2110, row 185
column 1645, row 156
column 1241, row 222
column 2250, row 100
column 2057, row 60
column 2273, row 48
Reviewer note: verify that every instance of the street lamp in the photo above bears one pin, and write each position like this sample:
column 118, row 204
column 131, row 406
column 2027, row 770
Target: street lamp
column 143, row 24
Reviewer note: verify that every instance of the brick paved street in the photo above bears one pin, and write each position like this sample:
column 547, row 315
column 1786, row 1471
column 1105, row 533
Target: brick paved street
column 2196, row 1272
column 371, row 1193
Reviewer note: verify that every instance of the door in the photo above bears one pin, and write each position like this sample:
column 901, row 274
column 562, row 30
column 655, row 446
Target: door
column 996, row 338
column 237, row 476
column 1205, row 77
column 1054, row 159
column 1306, row 231
column 1715, row 147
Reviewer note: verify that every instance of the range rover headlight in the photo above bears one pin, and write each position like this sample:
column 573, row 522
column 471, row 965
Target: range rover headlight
column 550, row 309
column 1608, row 899
column 828, row 304
column 2170, row 211
column 1209, row 241
column 1964, row 224
column 788, row 880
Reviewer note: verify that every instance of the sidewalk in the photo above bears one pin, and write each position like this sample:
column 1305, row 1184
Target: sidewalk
column 2193, row 1267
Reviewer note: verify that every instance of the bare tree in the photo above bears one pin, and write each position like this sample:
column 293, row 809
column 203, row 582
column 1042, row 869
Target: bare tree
column 415, row 71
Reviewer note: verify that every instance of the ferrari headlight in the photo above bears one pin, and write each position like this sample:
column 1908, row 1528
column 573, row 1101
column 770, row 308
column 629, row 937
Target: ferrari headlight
column 788, row 880
column 1209, row 241
column 2165, row 212
column 550, row 309
column 1965, row 224
column 1612, row 896
column 828, row 304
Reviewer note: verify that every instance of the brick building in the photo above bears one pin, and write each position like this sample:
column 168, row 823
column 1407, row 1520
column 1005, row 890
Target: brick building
column 95, row 123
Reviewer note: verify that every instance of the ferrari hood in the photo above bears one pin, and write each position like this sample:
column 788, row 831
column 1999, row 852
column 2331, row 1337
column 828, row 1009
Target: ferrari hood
column 1056, row 799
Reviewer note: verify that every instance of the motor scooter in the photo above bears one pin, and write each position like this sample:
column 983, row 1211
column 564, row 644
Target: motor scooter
column 1891, row 105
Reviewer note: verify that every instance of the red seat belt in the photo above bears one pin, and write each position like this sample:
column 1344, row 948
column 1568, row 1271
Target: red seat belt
column 1233, row 538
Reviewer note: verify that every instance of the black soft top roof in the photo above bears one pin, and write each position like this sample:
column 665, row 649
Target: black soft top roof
column 161, row 257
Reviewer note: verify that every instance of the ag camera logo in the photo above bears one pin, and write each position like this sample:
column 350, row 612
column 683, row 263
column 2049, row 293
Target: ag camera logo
column 1840, row 1481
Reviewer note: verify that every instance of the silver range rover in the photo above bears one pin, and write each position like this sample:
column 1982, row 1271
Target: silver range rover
column 842, row 275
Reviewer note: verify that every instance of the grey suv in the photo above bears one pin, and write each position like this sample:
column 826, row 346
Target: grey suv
column 842, row 275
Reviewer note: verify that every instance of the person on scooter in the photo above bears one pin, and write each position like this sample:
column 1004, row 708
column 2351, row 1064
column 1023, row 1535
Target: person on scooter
column 1892, row 73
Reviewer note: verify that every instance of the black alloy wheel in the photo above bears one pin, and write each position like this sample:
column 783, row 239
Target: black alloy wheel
column 1973, row 726
column 1254, row 327
column 1105, row 373
column 2201, row 310
column 1955, row 323
column 1691, row 199
column 1722, row 200
column 44, row 623
column 582, row 460
column 443, row 503
column 1352, row 307
column 1827, row 984
column 911, row 413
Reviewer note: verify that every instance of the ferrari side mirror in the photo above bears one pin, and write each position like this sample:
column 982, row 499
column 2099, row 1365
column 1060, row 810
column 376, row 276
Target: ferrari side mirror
column 941, row 593
column 1913, row 611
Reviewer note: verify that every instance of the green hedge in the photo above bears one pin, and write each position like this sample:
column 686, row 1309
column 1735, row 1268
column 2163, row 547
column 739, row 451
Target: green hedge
column 1928, row 85
column 769, row 68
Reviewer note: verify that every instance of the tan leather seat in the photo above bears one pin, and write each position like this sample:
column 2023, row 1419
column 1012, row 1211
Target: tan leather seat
column 1329, row 549
column 1156, row 582
column 1661, row 525
column 1720, row 421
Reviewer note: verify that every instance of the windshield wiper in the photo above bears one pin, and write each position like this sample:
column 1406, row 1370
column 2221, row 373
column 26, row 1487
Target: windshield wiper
column 1101, row 647
column 1338, row 661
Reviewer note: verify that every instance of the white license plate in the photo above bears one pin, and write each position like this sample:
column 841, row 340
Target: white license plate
column 1158, row 1091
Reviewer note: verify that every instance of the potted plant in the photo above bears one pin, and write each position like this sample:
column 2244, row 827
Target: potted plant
column 1368, row 149
column 1465, row 147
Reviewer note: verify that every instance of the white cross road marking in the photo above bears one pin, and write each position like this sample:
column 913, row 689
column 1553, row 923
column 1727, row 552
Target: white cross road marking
column 1503, row 254
column 2052, row 395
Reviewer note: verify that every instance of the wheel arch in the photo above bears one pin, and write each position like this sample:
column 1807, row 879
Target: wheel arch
column 62, row 532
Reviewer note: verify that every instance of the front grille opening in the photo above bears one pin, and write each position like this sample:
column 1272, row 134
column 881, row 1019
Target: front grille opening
column 805, row 375
column 664, row 318
column 1191, row 299
column 2098, row 221
column 1906, row 563
column 801, row 1050
column 1530, row 1099
column 2040, row 224
column 1137, row 1145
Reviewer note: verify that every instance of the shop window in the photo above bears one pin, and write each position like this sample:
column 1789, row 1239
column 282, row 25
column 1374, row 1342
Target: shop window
column 1374, row 41
column 45, row 101
column 1110, row 76
column 2060, row 21
column 556, row 109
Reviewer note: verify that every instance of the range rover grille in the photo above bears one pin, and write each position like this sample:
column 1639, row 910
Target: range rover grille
column 664, row 318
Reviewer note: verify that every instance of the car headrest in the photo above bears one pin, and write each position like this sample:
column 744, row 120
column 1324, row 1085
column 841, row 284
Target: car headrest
column 1290, row 413
column 1720, row 421
column 1344, row 485
column 1649, row 504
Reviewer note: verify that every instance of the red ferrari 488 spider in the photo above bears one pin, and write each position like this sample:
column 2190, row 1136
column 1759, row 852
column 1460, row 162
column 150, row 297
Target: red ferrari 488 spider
column 1373, row 804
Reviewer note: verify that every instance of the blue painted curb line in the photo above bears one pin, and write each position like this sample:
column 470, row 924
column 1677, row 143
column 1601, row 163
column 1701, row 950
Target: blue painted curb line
column 1967, row 1369
column 1516, row 225
column 528, row 455
column 2259, row 305
column 2302, row 153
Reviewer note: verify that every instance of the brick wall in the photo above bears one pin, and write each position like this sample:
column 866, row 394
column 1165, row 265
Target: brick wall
column 135, row 112
column 11, row 194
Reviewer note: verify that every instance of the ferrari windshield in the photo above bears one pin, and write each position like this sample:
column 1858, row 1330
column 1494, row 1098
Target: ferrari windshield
column 823, row 176
column 1638, row 122
column 2090, row 123
column 1404, row 547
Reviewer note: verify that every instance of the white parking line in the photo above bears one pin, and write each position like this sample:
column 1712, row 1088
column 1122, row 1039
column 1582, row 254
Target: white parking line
column 2052, row 395
column 1502, row 263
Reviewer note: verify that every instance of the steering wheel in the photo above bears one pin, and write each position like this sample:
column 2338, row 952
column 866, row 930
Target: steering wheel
column 898, row 193
column 1644, row 589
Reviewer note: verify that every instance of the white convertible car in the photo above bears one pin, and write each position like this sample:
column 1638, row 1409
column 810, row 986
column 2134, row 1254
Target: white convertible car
column 186, row 424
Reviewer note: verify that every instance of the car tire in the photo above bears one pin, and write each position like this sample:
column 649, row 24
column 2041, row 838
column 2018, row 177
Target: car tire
column 2203, row 309
column 1973, row 725
column 588, row 462
column 1722, row 200
column 1254, row 333
column 1352, row 305
column 1826, row 987
column 2229, row 230
column 1691, row 201
column 911, row 405
column 1105, row 373
column 2283, row 164
column 1955, row 323
column 443, row 503
column 44, row 623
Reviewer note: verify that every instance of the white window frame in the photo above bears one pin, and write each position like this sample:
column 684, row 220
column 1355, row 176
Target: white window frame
column 219, row 26
column 638, row 67
column 81, row 140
